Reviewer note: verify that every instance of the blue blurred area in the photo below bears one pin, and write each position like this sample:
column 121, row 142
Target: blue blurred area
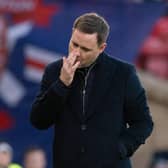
column 130, row 24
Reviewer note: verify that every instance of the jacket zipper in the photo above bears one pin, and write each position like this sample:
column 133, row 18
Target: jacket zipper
column 84, row 88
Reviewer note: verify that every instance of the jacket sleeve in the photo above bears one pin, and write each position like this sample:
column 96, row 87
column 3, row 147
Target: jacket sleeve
column 50, row 100
column 137, row 117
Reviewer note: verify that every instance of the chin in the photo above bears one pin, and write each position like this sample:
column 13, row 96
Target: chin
column 80, row 66
column 83, row 65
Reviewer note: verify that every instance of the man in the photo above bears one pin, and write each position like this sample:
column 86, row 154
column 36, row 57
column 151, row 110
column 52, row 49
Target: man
column 6, row 154
column 96, row 103
column 34, row 157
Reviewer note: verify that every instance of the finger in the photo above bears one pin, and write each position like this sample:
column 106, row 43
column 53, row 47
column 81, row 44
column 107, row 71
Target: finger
column 76, row 65
column 72, row 58
column 66, row 62
column 63, row 58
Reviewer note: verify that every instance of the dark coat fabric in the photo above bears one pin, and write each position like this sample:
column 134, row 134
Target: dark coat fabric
column 100, row 128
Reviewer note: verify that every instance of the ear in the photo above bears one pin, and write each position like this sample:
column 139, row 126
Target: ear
column 102, row 47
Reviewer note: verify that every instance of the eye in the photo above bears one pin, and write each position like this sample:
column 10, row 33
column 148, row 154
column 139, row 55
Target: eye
column 75, row 44
column 85, row 49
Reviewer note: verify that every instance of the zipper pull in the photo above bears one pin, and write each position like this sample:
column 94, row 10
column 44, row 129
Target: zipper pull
column 84, row 91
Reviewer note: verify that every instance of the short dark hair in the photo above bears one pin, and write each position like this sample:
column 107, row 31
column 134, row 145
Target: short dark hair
column 93, row 23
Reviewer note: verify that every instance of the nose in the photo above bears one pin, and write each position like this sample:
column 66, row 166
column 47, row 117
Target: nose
column 77, row 51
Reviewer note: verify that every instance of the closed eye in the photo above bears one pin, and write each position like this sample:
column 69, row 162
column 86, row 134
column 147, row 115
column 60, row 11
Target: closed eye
column 83, row 48
column 75, row 44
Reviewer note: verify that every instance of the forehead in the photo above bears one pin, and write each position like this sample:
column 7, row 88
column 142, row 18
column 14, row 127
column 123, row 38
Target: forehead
column 5, row 153
column 84, row 39
column 34, row 153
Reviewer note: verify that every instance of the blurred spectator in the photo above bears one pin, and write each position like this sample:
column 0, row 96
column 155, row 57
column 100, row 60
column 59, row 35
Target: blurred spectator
column 153, row 56
column 34, row 157
column 159, row 159
column 6, row 154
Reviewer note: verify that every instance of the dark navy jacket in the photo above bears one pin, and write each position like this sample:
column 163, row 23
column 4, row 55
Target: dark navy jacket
column 100, row 120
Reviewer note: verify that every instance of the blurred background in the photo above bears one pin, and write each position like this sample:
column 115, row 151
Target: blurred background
column 34, row 33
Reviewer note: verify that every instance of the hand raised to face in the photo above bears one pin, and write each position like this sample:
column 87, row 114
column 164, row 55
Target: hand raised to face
column 68, row 68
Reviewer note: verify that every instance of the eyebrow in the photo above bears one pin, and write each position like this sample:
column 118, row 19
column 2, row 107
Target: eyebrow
column 84, row 48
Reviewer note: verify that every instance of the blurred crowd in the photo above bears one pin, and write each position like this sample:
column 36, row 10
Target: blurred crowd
column 153, row 56
column 152, row 63
column 33, row 157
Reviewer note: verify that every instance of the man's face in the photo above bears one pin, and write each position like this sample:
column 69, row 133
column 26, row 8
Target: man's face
column 5, row 159
column 35, row 159
column 85, row 47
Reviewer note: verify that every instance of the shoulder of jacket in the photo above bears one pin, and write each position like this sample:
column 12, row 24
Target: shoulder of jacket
column 120, row 64
column 53, row 66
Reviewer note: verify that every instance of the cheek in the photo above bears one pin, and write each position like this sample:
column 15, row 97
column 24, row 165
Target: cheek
column 88, row 56
column 85, row 56
column 91, row 55
column 5, row 159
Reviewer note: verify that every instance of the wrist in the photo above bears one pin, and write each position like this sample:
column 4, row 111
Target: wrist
column 65, row 82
